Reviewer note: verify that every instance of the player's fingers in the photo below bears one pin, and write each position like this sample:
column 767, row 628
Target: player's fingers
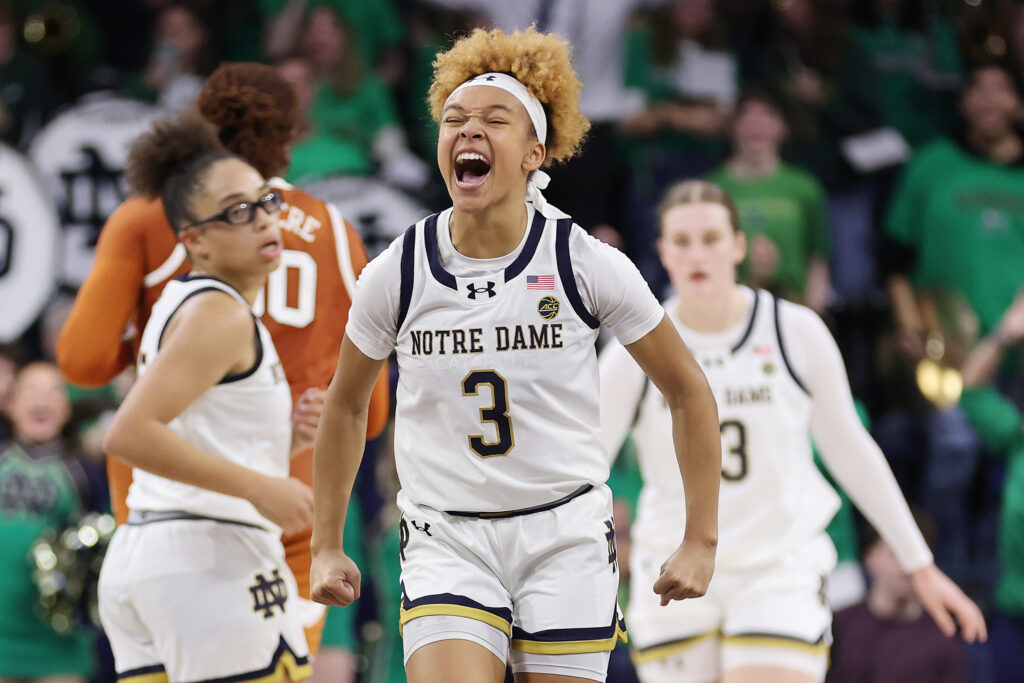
column 942, row 618
column 971, row 620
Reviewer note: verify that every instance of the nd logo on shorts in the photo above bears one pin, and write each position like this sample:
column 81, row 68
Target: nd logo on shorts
column 548, row 307
column 266, row 595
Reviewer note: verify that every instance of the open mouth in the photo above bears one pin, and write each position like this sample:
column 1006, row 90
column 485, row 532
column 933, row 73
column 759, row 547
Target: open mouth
column 471, row 170
column 271, row 248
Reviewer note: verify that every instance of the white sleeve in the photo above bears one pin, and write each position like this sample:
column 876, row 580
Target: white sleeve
column 622, row 385
column 612, row 289
column 373, row 318
column 846, row 447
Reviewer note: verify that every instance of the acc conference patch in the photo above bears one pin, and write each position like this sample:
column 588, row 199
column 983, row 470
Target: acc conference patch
column 548, row 307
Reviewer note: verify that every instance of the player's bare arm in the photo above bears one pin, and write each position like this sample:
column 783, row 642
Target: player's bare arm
column 340, row 439
column 209, row 338
column 695, row 433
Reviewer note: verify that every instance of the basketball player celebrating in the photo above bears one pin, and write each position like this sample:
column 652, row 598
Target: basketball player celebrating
column 779, row 380
column 208, row 428
column 306, row 301
column 493, row 307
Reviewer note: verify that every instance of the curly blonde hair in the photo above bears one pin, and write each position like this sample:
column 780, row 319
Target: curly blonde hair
column 540, row 61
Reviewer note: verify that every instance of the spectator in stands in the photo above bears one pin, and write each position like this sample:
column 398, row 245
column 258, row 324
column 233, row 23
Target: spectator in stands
column 26, row 95
column 955, row 224
column 782, row 208
column 43, row 486
column 888, row 638
column 679, row 60
column 182, row 56
column 354, row 124
column 914, row 51
column 1000, row 423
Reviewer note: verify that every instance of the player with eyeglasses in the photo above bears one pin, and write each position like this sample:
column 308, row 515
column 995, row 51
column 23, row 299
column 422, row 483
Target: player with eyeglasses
column 304, row 304
column 208, row 428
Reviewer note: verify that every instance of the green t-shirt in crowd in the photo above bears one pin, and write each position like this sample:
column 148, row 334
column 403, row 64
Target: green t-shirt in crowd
column 918, row 75
column 964, row 215
column 341, row 142
column 788, row 208
column 374, row 26
column 36, row 495
column 999, row 424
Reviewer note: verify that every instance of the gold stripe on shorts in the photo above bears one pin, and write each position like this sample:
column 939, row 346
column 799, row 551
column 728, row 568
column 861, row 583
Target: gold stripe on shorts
column 665, row 650
column 818, row 648
column 448, row 610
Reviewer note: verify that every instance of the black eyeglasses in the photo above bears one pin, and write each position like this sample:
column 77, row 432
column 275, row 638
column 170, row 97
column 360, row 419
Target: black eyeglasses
column 245, row 212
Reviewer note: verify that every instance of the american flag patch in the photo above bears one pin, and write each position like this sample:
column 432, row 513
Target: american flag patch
column 543, row 282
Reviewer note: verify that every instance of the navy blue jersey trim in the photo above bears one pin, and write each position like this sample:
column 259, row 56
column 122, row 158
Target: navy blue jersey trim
column 282, row 647
column 566, row 275
column 782, row 347
column 142, row 671
column 776, row 636
column 256, row 364
column 529, row 249
column 160, row 340
column 434, row 256
column 144, row 517
column 750, row 324
column 452, row 599
column 523, row 511
column 674, row 641
column 407, row 274
column 560, row 635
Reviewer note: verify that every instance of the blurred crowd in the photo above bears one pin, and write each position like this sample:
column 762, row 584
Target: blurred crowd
column 875, row 149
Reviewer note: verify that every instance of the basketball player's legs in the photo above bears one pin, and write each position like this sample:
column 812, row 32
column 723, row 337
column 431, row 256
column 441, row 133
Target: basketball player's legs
column 777, row 626
column 679, row 642
column 455, row 659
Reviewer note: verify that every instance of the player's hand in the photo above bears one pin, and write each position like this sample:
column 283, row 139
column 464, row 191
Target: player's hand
column 286, row 502
column 333, row 578
column 944, row 601
column 305, row 418
column 686, row 573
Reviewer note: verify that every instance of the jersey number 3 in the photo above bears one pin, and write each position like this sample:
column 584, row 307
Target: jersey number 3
column 497, row 413
column 734, row 443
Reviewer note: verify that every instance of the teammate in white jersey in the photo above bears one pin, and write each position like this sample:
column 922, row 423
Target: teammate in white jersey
column 195, row 586
column 493, row 307
column 779, row 380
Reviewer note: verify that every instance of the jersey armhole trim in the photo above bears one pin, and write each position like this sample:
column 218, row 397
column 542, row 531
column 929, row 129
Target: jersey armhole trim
column 750, row 324
column 256, row 334
column 567, row 276
column 782, row 347
column 529, row 249
column 433, row 255
column 406, row 275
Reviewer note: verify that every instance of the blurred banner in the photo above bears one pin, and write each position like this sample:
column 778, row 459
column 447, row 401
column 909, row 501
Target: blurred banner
column 29, row 244
column 377, row 211
column 81, row 154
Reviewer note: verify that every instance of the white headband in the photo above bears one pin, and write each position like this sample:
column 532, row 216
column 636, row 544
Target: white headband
column 510, row 85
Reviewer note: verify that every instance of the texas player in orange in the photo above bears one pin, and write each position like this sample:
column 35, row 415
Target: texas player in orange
column 306, row 300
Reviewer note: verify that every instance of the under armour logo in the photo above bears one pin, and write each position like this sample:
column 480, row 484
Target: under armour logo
column 491, row 77
column 474, row 290
column 425, row 528
column 266, row 595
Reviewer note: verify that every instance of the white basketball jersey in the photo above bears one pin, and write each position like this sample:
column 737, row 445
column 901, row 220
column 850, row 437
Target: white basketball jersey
column 246, row 418
column 497, row 403
column 772, row 497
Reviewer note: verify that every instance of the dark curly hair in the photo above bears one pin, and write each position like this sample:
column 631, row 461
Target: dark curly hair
column 169, row 161
column 255, row 112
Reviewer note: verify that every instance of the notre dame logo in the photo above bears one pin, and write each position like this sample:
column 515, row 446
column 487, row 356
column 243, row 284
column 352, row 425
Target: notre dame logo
column 548, row 307
column 613, row 555
column 266, row 595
